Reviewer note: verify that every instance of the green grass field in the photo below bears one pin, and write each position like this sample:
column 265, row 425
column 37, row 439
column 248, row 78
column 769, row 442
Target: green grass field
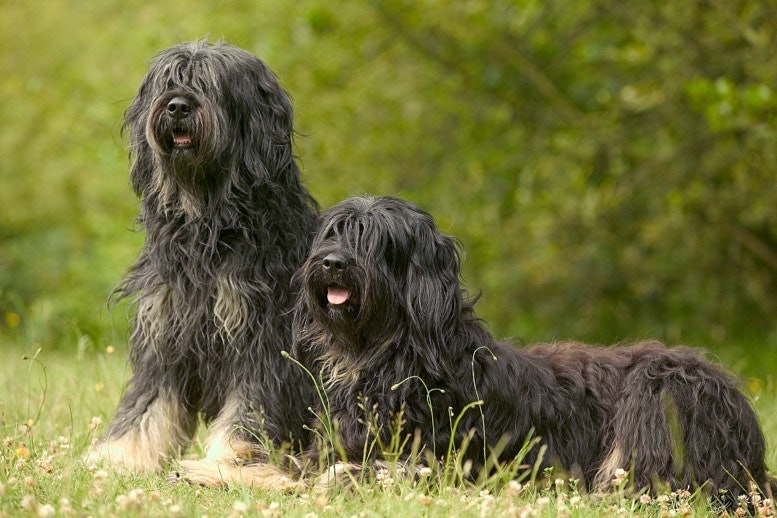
column 55, row 403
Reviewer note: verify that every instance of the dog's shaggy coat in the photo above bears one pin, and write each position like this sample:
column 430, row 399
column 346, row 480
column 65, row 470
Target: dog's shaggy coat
column 227, row 223
column 383, row 312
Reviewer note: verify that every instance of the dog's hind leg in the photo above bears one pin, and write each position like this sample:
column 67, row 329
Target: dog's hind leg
column 682, row 422
column 722, row 445
column 150, row 427
column 645, row 441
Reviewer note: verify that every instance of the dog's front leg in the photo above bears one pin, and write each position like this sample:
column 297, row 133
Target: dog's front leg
column 233, row 455
column 151, row 426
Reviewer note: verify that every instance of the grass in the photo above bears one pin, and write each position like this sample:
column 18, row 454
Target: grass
column 54, row 403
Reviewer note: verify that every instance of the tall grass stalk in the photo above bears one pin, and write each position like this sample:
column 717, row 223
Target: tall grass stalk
column 428, row 404
column 477, row 395
column 326, row 420
column 329, row 437
column 33, row 360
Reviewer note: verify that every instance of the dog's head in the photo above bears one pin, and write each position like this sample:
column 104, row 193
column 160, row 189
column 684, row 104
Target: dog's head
column 380, row 271
column 205, row 112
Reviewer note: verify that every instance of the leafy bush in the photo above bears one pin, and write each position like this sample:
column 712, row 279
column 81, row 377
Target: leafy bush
column 609, row 168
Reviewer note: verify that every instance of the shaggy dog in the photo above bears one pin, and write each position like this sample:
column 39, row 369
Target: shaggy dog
column 227, row 223
column 384, row 318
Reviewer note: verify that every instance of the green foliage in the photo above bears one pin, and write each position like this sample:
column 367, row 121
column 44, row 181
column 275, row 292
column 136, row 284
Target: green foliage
column 609, row 167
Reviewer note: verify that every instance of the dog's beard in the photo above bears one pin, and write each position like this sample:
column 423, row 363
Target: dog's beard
column 340, row 302
column 336, row 297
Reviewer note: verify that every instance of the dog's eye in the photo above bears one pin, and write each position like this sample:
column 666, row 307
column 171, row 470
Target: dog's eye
column 335, row 230
column 392, row 254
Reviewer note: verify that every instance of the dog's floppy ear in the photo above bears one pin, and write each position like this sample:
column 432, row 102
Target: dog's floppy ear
column 142, row 160
column 434, row 296
column 266, row 114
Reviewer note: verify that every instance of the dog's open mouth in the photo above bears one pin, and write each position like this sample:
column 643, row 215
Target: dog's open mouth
column 337, row 295
column 182, row 139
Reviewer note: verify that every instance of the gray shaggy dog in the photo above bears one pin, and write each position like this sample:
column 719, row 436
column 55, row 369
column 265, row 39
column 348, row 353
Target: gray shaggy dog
column 382, row 312
column 227, row 223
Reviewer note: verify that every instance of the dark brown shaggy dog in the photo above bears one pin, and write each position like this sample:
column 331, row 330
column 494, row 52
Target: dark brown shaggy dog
column 383, row 310
column 227, row 223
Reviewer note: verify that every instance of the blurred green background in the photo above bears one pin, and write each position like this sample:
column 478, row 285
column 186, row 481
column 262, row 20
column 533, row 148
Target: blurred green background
column 609, row 166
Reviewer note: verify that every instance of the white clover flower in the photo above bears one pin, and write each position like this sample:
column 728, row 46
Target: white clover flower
column 487, row 505
column 122, row 502
column 28, row 503
column 64, row 506
column 514, row 488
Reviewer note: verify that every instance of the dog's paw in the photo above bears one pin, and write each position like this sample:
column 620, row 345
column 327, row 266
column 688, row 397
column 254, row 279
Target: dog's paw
column 220, row 473
column 121, row 455
column 341, row 475
column 174, row 477
column 204, row 472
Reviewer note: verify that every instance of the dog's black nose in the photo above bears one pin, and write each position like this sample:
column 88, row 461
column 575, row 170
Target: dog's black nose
column 334, row 261
column 179, row 107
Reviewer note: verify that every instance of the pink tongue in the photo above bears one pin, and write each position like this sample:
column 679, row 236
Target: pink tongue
column 336, row 295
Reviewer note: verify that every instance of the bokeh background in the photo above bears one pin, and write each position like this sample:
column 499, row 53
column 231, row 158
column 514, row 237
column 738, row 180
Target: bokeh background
column 608, row 165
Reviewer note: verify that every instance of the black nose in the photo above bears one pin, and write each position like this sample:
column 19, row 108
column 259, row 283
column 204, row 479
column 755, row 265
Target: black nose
column 334, row 261
column 179, row 107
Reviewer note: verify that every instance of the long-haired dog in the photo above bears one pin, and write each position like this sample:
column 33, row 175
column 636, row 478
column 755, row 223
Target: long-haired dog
column 383, row 316
column 227, row 223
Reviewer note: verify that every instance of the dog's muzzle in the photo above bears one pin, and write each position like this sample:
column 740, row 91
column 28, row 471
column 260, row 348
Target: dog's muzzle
column 178, row 111
column 335, row 268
